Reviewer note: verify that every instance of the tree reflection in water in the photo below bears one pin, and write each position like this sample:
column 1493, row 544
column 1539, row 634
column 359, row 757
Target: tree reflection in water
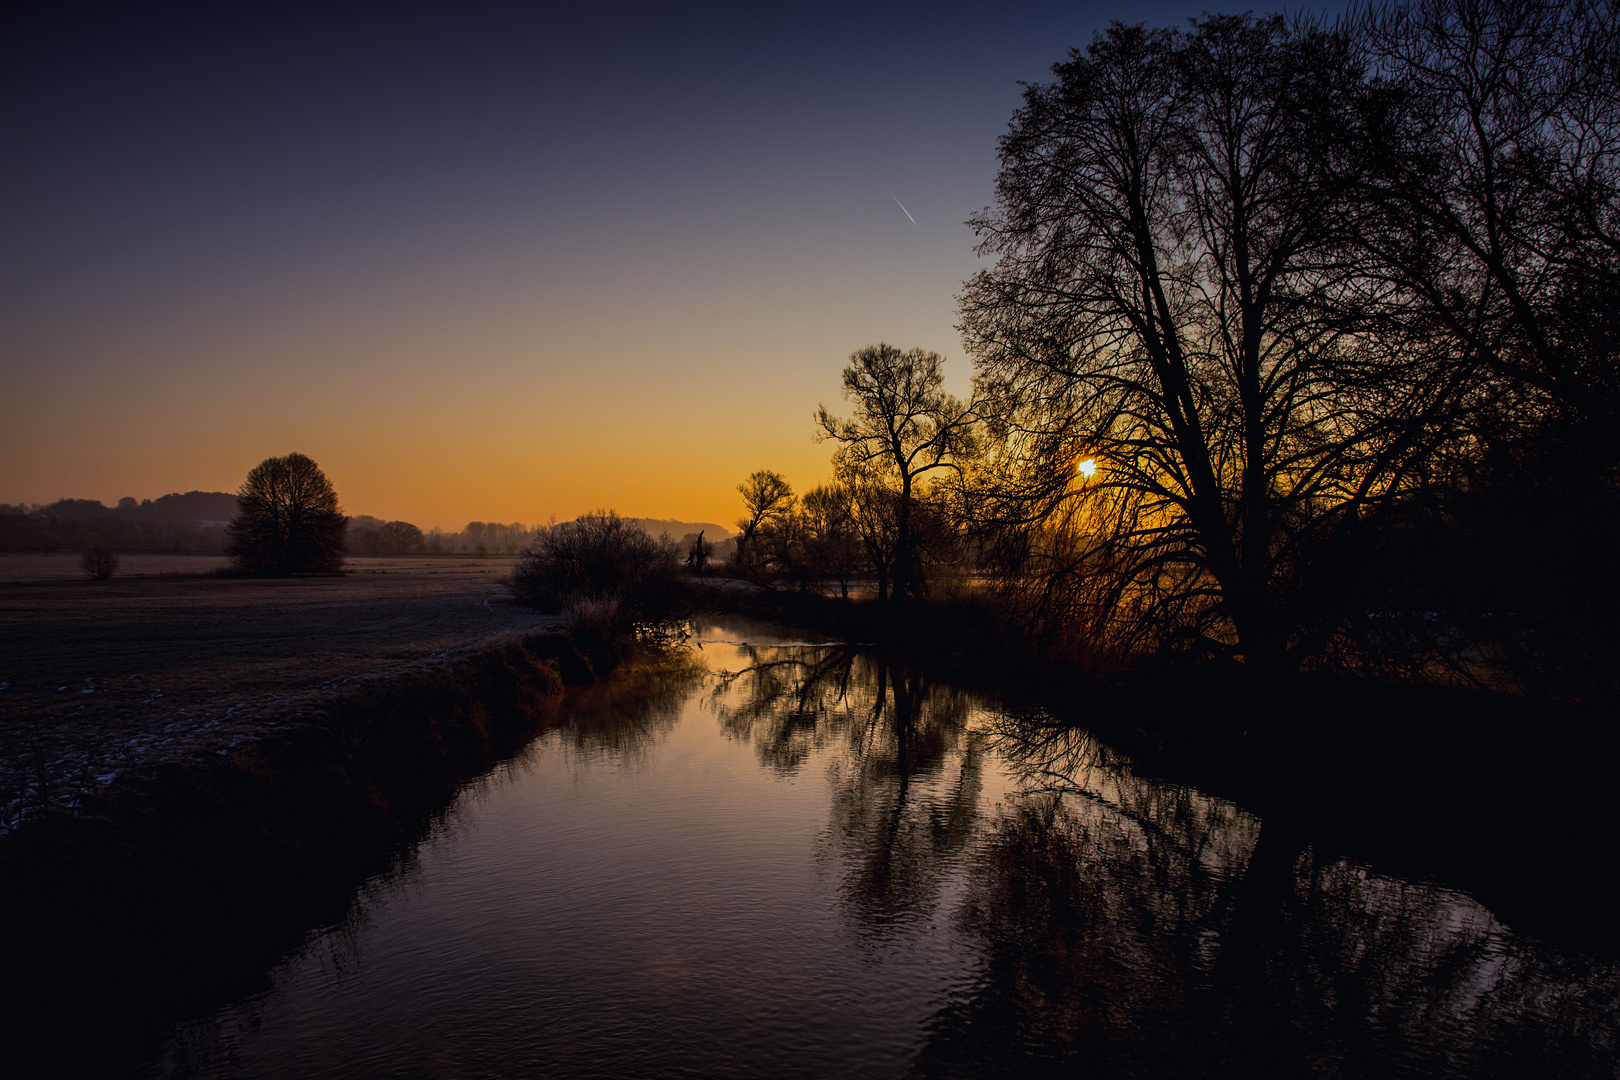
column 623, row 717
column 905, row 773
column 1127, row 926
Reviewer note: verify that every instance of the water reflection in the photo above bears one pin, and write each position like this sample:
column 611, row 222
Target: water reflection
column 904, row 772
column 624, row 718
column 1107, row 945
column 1127, row 926
column 793, row 860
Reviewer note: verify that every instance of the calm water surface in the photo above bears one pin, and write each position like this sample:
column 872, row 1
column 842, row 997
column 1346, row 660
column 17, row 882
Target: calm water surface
column 799, row 860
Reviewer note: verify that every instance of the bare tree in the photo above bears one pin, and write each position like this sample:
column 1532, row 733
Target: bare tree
column 905, row 426
column 99, row 563
column 1490, row 211
column 876, row 508
column 287, row 520
column 832, row 535
column 767, row 497
column 1173, row 308
column 1494, row 191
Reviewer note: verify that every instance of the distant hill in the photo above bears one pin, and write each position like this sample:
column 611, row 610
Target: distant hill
column 192, row 522
column 192, row 506
column 677, row 529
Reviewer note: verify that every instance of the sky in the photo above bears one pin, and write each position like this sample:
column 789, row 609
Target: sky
column 486, row 263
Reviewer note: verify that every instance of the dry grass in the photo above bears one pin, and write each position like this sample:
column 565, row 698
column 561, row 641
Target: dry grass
column 167, row 661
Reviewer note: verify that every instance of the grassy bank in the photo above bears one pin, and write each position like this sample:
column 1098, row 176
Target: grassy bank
column 176, row 886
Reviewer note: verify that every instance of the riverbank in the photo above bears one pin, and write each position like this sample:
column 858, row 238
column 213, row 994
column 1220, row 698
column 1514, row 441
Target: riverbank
column 167, row 662
column 1500, row 797
column 137, row 898
column 176, row 886
column 816, row 862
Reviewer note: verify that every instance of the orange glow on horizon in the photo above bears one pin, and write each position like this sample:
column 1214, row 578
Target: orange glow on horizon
column 448, row 428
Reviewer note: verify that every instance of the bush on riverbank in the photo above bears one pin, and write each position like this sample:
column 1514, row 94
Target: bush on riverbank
column 606, row 573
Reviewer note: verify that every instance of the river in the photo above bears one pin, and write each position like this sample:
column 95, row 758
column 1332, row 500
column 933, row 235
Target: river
column 795, row 858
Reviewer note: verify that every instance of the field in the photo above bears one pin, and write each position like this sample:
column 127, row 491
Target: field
column 168, row 660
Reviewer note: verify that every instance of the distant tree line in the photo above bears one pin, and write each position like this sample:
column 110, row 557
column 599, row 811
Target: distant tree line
column 372, row 536
column 193, row 522
column 1297, row 348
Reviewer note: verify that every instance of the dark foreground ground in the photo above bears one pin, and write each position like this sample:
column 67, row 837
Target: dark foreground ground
column 308, row 730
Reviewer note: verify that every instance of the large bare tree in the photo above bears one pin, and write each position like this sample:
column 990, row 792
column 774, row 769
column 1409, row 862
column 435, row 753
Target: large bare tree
column 905, row 426
column 1175, row 305
column 1493, row 192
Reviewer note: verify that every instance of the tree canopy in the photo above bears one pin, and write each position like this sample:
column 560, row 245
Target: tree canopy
column 1271, row 277
column 288, row 520
column 1296, row 346
column 905, row 426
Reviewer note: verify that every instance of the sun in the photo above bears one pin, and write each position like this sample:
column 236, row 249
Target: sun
column 1087, row 468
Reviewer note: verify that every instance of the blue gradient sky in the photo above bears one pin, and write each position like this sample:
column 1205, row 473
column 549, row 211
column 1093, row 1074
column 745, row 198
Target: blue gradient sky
column 484, row 263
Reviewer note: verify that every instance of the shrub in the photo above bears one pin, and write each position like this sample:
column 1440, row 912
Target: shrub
column 601, row 568
column 99, row 563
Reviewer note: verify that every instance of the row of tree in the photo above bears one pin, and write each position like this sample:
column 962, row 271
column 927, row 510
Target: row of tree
column 879, row 517
column 288, row 521
column 190, row 522
column 376, row 537
column 1280, row 314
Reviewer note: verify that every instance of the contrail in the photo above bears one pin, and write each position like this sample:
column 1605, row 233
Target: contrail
column 900, row 204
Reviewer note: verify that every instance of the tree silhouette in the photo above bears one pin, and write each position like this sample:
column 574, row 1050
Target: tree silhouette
column 99, row 563
column 401, row 536
column 287, row 520
column 832, row 538
column 698, row 552
column 768, row 498
column 601, row 568
column 905, row 426
column 1177, row 301
column 1492, row 202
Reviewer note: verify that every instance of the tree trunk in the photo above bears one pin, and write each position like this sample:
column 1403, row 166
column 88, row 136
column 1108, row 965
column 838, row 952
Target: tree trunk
column 902, row 543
